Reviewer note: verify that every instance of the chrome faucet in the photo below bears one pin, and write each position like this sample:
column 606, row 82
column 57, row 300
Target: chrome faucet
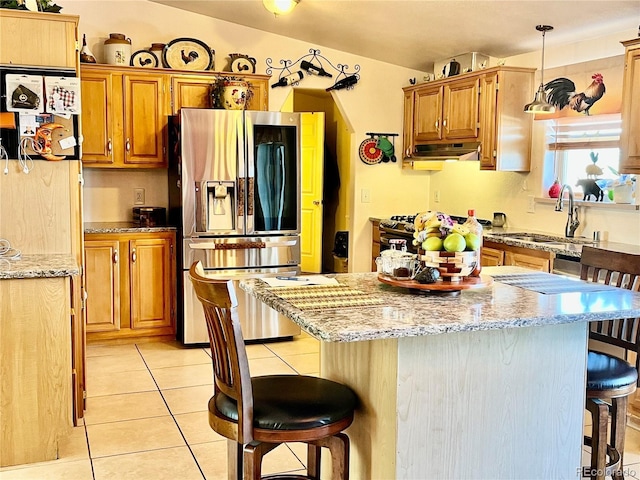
column 572, row 221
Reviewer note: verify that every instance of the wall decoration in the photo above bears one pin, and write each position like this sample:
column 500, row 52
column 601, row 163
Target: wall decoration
column 242, row 63
column 377, row 148
column 562, row 92
column 187, row 54
column 314, row 63
column 611, row 71
column 144, row 59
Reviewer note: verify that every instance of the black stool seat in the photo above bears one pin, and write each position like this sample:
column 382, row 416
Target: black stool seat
column 606, row 372
column 292, row 402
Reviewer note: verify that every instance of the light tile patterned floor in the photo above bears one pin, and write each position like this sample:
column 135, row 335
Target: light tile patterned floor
column 146, row 416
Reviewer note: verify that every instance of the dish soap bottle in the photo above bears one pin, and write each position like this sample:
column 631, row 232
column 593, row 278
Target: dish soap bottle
column 476, row 228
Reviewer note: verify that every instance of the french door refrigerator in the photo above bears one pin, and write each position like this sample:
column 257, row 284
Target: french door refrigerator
column 234, row 196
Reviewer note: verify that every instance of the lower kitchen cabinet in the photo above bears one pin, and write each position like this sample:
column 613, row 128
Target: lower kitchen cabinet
column 375, row 244
column 130, row 285
column 496, row 254
column 492, row 257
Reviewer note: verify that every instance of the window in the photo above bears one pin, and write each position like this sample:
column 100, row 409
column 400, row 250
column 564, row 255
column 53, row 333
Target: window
column 584, row 147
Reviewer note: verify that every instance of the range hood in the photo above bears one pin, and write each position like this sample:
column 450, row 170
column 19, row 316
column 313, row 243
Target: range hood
column 432, row 156
column 447, row 151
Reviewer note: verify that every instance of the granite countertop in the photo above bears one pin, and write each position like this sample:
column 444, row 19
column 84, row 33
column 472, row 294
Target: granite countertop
column 405, row 314
column 569, row 249
column 123, row 227
column 39, row 266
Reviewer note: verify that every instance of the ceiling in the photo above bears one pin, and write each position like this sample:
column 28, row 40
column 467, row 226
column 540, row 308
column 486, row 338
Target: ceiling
column 417, row 33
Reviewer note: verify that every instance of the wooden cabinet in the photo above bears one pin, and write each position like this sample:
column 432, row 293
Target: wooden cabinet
column 446, row 112
column 407, row 124
column 130, row 285
column 375, row 243
column 484, row 106
column 630, row 136
column 496, row 254
column 123, row 118
column 505, row 128
column 50, row 222
column 102, row 267
column 38, row 39
column 491, row 257
column 125, row 109
column 194, row 91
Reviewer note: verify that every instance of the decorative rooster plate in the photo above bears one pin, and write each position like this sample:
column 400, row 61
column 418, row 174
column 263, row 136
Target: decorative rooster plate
column 187, row 54
column 144, row 59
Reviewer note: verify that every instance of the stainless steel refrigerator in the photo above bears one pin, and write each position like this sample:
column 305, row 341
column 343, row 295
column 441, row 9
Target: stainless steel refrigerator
column 234, row 196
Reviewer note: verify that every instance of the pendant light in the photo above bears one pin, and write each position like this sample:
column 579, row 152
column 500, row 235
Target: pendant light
column 280, row 7
column 540, row 104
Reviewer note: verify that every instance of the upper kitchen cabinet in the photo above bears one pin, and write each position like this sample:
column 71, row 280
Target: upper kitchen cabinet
column 505, row 127
column 35, row 38
column 630, row 136
column 194, row 91
column 407, row 123
column 446, row 111
column 484, row 106
column 123, row 117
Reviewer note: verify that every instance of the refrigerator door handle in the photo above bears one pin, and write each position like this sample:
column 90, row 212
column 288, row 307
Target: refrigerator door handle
column 240, row 246
column 227, row 246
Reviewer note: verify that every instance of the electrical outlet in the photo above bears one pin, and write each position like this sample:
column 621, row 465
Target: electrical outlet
column 531, row 204
column 138, row 196
column 436, row 196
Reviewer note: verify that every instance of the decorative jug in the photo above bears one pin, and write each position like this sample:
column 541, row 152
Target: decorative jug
column 117, row 49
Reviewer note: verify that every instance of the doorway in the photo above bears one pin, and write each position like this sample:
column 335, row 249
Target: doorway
column 336, row 169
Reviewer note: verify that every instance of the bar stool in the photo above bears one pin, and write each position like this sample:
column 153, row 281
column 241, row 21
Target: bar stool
column 258, row 414
column 610, row 380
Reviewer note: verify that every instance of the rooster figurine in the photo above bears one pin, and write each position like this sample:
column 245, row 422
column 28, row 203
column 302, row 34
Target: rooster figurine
column 562, row 92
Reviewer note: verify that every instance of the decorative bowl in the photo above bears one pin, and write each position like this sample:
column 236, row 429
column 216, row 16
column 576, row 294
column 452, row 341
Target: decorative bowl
column 453, row 266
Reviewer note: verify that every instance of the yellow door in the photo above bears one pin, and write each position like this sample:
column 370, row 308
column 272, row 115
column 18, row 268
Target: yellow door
column 311, row 174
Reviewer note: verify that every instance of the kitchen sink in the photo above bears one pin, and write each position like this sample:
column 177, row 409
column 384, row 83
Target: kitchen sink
column 541, row 238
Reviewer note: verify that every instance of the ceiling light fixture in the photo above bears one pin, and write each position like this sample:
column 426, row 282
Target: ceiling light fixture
column 280, row 7
column 540, row 104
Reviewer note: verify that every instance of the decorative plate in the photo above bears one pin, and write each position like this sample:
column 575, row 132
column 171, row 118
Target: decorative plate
column 144, row 59
column 187, row 54
column 369, row 152
column 243, row 64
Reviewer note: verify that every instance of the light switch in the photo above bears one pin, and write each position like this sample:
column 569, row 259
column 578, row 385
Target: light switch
column 365, row 195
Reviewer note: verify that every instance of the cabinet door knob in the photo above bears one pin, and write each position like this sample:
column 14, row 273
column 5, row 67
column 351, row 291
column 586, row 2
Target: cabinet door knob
column 437, row 124
column 128, row 145
column 134, row 256
column 316, row 202
column 115, row 257
column 109, row 146
column 444, row 123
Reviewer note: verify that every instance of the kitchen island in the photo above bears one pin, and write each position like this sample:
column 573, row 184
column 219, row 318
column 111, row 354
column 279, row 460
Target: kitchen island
column 35, row 356
column 486, row 384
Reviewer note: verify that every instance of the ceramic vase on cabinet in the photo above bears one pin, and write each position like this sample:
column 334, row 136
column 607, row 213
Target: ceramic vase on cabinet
column 233, row 95
column 157, row 49
column 117, row 49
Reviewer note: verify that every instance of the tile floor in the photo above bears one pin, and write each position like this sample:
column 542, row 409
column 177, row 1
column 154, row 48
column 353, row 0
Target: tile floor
column 146, row 416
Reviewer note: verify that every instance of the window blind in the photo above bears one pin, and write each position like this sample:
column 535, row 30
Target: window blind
column 597, row 131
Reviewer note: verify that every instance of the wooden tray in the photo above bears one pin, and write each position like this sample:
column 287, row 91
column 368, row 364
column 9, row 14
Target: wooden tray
column 441, row 286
